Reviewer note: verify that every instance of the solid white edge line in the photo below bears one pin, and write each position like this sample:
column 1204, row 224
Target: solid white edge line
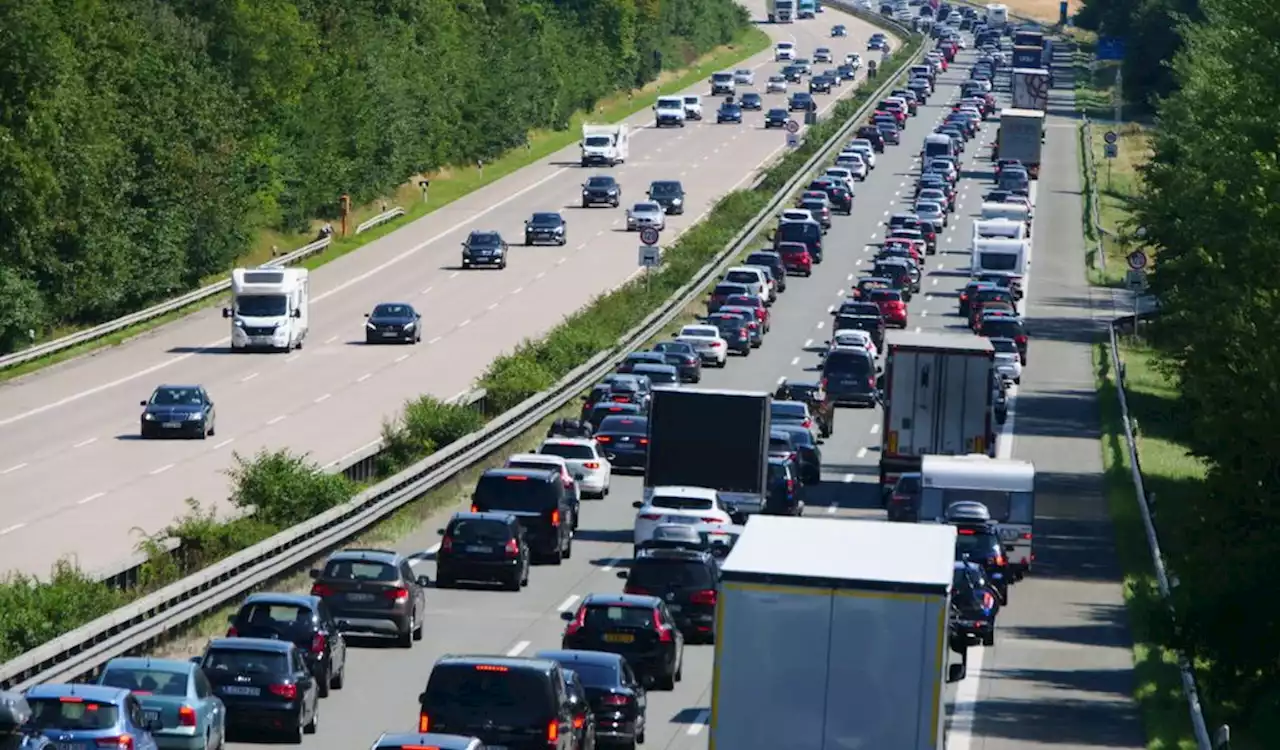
column 518, row 649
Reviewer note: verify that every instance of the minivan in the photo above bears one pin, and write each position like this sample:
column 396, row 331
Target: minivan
column 508, row 702
column 541, row 502
column 849, row 378
column 807, row 233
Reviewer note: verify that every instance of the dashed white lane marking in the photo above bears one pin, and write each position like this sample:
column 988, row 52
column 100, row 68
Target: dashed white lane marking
column 224, row 443
column 161, row 470
column 862, row 453
column 465, row 323
column 248, row 377
column 83, row 443
column 275, row 420
column 10, row 529
column 14, row 468
column 322, row 399
column 518, row 649
column 795, row 361
column 569, row 603
column 90, row 498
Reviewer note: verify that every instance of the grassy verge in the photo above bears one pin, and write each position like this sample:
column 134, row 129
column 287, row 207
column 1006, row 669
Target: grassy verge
column 447, row 185
column 1158, row 685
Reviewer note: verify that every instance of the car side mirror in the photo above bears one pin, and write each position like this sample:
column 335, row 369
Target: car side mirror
column 567, row 616
column 366, row 315
column 422, row 697
column 142, row 403
column 226, row 312
column 424, row 580
column 441, row 531
column 622, row 574
column 314, row 573
column 196, row 660
column 637, row 504
column 955, row 673
column 297, row 313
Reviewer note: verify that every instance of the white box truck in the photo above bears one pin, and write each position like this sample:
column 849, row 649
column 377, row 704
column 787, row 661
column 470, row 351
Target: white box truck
column 1021, row 137
column 1031, row 89
column 269, row 308
column 781, row 11
column 832, row 634
column 605, row 144
column 735, row 462
column 938, row 400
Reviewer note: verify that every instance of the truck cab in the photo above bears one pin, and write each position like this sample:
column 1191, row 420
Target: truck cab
column 269, row 308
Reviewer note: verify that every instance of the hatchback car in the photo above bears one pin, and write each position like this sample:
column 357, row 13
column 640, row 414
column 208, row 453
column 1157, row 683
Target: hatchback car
column 639, row 628
column 90, row 716
column 489, row 547
column 372, row 591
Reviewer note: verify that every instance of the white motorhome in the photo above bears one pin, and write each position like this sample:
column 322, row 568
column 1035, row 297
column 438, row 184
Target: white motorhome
column 997, row 15
column 605, row 144
column 999, row 229
column 1004, row 256
column 669, row 110
column 269, row 308
column 1007, row 487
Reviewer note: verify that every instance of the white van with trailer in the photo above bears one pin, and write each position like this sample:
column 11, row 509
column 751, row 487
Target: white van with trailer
column 1006, row 487
column 269, row 308
column 999, row 256
column 841, row 627
column 606, row 145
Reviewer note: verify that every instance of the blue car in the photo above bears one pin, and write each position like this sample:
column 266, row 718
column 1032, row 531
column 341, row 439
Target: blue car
column 176, row 694
column 88, row 717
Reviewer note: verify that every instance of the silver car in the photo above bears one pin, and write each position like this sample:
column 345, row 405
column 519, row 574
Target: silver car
column 744, row 77
column 776, row 84
column 647, row 214
column 932, row 213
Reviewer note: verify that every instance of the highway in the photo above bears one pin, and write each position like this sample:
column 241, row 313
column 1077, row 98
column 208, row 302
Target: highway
column 1060, row 673
column 76, row 479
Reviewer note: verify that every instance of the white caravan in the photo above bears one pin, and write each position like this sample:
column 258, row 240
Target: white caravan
column 999, row 256
column 997, row 15
column 269, row 308
column 606, row 145
column 1007, row 487
column 999, row 229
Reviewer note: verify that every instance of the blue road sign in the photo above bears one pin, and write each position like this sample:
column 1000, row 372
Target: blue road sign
column 1110, row 48
column 1062, row 13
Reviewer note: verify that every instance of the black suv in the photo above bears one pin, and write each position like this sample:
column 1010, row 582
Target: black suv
column 601, row 189
column 685, row 580
column 374, row 591
column 541, row 502
column 617, row 698
column 849, row 378
column 669, row 194
column 303, row 620
column 639, row 628
column 521, row 704
column 546, row 227
column 979, row 543
column 483, row 547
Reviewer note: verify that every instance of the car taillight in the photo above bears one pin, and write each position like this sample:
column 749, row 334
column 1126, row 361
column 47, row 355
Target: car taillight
column 871, row 382
column 555, row 518
column 824, row 384
column 707, row 597
column 998, row 561
column 186, row 716
column 446, row 544
column 578, row 721
column 616, row 700
column 742, row 335
column 1026, row 535
column 791, row 485
column 232, row 632
column 321, row 590
column 593, row 465
column 635, row 590
column 578, row 621
column 318, row 643
column 621, row 399
column 424, row 723
column 711, row 519
column 603, row 439
column 288, row 692
column 643, row 441
column 122, row 742
column 513, row 548
column 807, row 423
column 553, row 731
column 475, row 508
column 1020, row 340
column 651, row 516
column 397, row 594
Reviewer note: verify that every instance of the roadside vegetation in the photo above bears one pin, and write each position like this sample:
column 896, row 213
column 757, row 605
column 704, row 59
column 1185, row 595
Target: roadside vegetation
column 275, row 490
column 1201, row 376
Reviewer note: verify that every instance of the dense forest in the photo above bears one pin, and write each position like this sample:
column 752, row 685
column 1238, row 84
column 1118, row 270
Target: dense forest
column 1151, row 30
column 142, row 142
column 1210, row 206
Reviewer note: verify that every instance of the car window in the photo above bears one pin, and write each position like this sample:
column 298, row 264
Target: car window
column 1005, row 329
column 568, row 450
column 177, row 397
column 246, row 661
column 360, row 570
column 502, row 695
column 596, row 675
column 149, row 681
column 606, row 617
column 654, row 574
column 524, row 494
column 681, row 503
column 53, row 713
column 847, row 363
column 784, row 410
column 479, row 530
column 275, row 615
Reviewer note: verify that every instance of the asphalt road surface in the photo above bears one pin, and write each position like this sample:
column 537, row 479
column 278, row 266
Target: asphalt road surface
column 1059, row 674
column 77, row 480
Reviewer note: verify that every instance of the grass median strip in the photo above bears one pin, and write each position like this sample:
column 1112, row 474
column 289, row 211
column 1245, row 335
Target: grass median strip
column 278, row 489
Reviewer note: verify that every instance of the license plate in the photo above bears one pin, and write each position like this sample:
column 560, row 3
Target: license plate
column 619, row 638
column 359, row 597
column 625, row 440
column 241, row 690
column 389, row 334
column 682, row 519
column 151, row 715
column 69, row 746
column 171, row 425
column 478, row 548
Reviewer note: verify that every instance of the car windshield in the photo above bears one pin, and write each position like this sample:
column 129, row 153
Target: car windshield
column 360, row 570
column 246, row 661
column 261, row 305
column 657, row 574
column 392, row 311
column 54, row 713
column 545, row 220
column 1005, row 327
column 568, row 450
column 600, row 617
column 484, row 239
column 624, row 425
column 642, row 208
column 600, row 182
column 847, row 363
column 976, row 544
column 742, row 277
column 750, row 97
column 1006, row 346
column 176, row 397
column 153, row 681
column 664, row 188
column 503, row 696
column 598, row 140
column 678, row 347
column 670, row 502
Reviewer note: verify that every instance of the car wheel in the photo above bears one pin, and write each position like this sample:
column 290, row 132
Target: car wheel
column 340, row 679
column 503, row 264
column 568, row 550
column 323, row 683
column 513, row 581
column 213, row 427
column 989, row 639
column 417, row 636
column 204, row 431
column 405, row 639
column 314, row 724
column 586, row 204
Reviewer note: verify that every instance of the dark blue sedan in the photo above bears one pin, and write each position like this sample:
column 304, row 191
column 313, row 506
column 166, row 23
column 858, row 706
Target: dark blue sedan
column 178, row 411
column 393, row 323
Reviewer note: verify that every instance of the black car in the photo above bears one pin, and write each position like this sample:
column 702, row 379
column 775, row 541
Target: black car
column 849, row 378
column 807, row 451
column 974, row 606
column 847, row 72
column 793, row 73
column 264, row 683
column 539, row 499
column 889, row 130
column 751, row 101
column 840, row 198
column 729, row 112
column 484, row 249
column 873, row 134
column 624, row 440
column 303, row 620
column 505, row 701
column 979, row 543
column 584, row 719
column 684, row 357
column 812, row 394
column 805, row 233
column 734, row 330
column 857, row 307
column 685, row 580
column 1005, row 327
column 782, row 448
column 639, row 628
column 783, row 498
column 545, row 227
column 776, row 118
column 820, row 85
column 669, row 194
column 772, row 261
column 601, row 189
column 801, row 102
column 632, row 360
column 618, row 700
column 629, row 388
column 393, row 322
column 903, row 504
column 483, row 547
column 603, row 411
column 178, row 411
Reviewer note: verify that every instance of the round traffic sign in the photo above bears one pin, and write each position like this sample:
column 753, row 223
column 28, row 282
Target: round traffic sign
column 649, row 236
column 1137, row 260
column 1110, row 136
column 793, row 126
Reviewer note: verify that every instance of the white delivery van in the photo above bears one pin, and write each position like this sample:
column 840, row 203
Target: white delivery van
column 1003, row 256
column 669, row 110
column 269, row 308
column 999, row 229
column 1007, row 211
column 605, row 144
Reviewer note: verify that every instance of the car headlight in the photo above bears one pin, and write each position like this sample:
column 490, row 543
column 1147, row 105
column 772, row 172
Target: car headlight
column 586, row 192
column 149, row 417
column 409, row 326
column 677, row 201
column 194, row 416
column 239, row 324
column 370, row 326
column 559, row 230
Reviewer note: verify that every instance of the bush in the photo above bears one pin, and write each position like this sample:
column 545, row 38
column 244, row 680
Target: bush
column 33, row 612
column 427, row 425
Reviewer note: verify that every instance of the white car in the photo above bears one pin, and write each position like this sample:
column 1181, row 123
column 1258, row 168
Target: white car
column 854, row 59
column 543, row 462
column 753, row 278
column 776, row 85
column 822, row 55
column 796, row 214
column 852, row 338
column 646, row 214
column 850, row 171
column 1008, row 361
column 864, row 147
column 694, row 506
column 584, row 458
column 706, row 340
column 744, row 77
column 693, row 107
column 783, row 51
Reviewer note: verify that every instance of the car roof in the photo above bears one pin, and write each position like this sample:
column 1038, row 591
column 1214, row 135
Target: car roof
column 539, row 458
column 586, row 442
column 177, row 387
column 379, row 555
column 177, row 666
column 678, row 555
column 675, row 490
column 96, row 693
column 548, row 475
column 568, row 656
column 269, row 645
column 274, row 597
column 428, row 739
column 510, row 662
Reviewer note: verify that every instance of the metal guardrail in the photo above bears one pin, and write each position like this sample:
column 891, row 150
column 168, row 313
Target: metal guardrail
column 1095, row 198
column 84, row 650
column 1146, row 505
column 40, row 351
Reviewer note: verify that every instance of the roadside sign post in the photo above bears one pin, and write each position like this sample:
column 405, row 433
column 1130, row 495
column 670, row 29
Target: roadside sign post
column 650, row 254
column 1136, row 278
column 792, row 129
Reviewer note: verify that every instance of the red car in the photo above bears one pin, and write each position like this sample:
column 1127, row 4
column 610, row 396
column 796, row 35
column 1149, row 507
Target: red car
column 796, row 258
column 916, row 248
column 753, row 302
column 898, row 112
column 891, row 306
